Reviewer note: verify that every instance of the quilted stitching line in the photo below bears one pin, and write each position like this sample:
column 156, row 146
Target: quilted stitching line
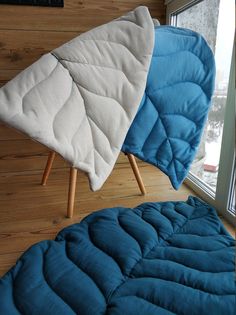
column 210, row 235
column 182, row 114
column 129, row 275
column 97, row 66
column 85, row 272
column 164, row 167
column 97, row 246
column 141, row 211
column 183, row 34
column 193, row 35
column 128, row 21
column 101, row 156
column 187, row 266
column 92, row 120
column 173, row 224
column 117, row 264
column 77, row 130
column 160, row 239
column 199, row 250
column 33, row 87
column 187, row 286
column 13, row 295
column 91, row 133
column 167, row 138
column 149, row 302
column 142, row 149
column 178, row 227
column 158, row 163
column 166, row 217
column 180, row 82
column 160, row 212
column 92, row 92
column 49, row 285
column 181, row 214
column 177, row 52
column 82, row 98
column 125, row 230
column 157, row 121
column 94, row 148
column 153, row 226
column 78, row 85
column 204, row 65
column 88, row 117
column 180, row 139
column 112, row 42
column 186, row 221
column 63, row 105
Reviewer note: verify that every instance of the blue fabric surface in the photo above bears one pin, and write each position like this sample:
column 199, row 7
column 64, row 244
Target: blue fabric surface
column 168, row 126
column 156, row 259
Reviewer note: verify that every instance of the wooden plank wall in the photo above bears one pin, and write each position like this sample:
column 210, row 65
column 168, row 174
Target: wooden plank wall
column 28, row 32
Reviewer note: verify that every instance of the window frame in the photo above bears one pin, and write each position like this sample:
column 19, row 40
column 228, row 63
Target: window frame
column 222, row 198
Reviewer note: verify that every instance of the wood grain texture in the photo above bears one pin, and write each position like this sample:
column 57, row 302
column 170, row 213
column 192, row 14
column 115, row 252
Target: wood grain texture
column 19, row 49
column 136, row 172
column 26, row 33
column 48, row 167
column 20, row 155
column 31, row 213
column 76, row 15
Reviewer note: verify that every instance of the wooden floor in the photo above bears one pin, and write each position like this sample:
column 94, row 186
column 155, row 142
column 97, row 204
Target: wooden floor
column 30, row 212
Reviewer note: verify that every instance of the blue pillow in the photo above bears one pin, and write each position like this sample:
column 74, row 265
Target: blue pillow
column 167, row 129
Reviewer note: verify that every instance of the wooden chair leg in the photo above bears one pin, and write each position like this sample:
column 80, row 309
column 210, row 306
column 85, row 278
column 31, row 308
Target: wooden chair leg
column 137, row 175
column 71, row 194
column 48, row 168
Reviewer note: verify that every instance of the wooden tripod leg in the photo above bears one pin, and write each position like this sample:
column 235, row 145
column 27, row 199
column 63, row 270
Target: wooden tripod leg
column 48, row 168
column 137, row 175
column 71, row 193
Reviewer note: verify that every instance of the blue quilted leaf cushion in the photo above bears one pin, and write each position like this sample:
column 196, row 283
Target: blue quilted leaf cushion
column 168, row 126
column 156, row 259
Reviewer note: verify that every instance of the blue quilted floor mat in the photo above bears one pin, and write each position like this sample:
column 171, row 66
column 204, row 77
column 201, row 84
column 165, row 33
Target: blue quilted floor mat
column 167, row 129
column 158, row 258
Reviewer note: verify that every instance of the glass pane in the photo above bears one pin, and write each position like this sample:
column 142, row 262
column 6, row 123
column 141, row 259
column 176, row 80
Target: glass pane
column 232, row 195
column 214, row 19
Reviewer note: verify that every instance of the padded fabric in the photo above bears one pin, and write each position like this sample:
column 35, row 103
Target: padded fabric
column 158, row 258
column 80, row 99
column 167, row 129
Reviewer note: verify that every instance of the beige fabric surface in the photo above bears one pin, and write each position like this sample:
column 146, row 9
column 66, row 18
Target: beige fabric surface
column 80, row 99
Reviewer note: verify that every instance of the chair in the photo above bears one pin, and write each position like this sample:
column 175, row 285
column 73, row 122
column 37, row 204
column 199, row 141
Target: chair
column 167, row 128
column 73, row 179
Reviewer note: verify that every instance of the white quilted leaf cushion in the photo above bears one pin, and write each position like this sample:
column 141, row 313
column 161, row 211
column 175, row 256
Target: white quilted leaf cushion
column 80, row 99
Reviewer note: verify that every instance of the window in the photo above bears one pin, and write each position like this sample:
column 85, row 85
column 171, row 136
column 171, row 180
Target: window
column 215, row 20
column 231, row 206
